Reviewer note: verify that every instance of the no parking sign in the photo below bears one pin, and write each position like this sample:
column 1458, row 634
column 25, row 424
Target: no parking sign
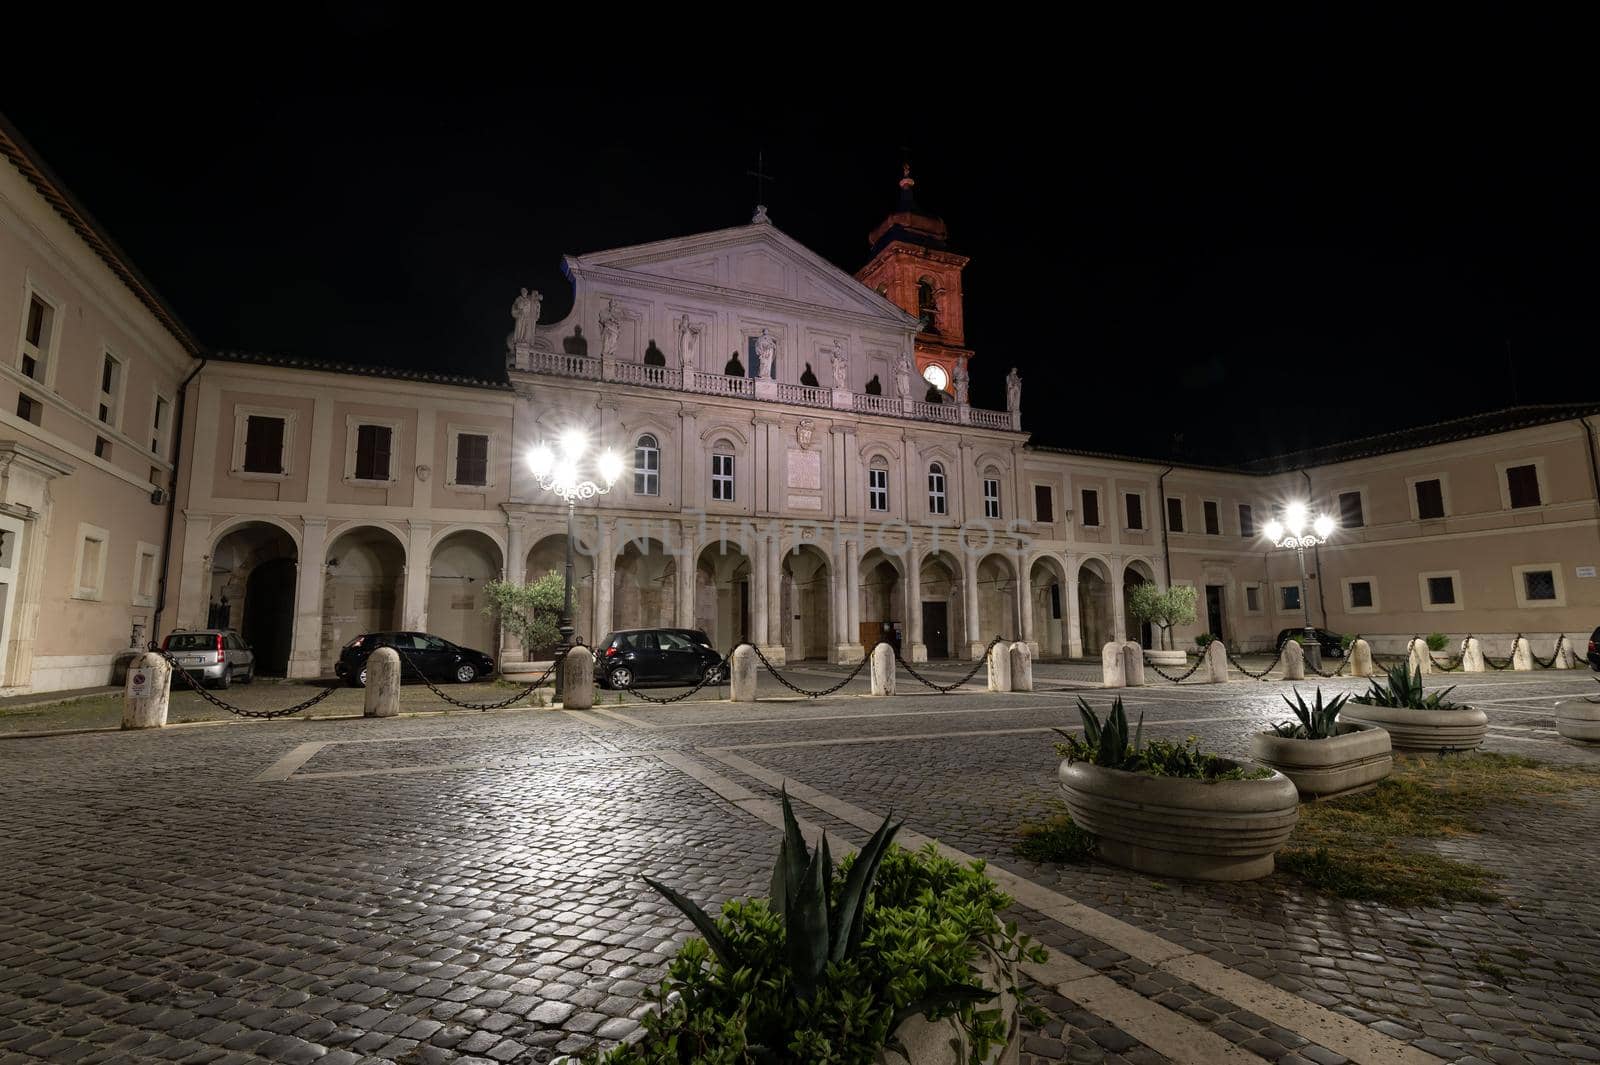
column 139, row 683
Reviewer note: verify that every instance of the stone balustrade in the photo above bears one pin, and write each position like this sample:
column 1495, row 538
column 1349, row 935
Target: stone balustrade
column 588, row 368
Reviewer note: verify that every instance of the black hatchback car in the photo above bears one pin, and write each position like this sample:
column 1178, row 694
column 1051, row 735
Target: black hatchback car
column 1332, row 642
column 1594, row 650
column 640, row 658
column 430, row 656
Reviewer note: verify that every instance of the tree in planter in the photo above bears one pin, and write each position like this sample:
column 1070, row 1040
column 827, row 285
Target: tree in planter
column 530, row 612
column 1164, row 609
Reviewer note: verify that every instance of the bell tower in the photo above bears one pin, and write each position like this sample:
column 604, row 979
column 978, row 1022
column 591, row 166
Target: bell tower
column 913, row 268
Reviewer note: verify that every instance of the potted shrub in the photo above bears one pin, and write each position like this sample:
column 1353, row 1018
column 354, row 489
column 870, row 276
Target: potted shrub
column 1321, row 754
column 900, row 957
column 529, row 612
column 1170, row 809
column 1165, row 610
column 1415, row 719
column 1436, row 641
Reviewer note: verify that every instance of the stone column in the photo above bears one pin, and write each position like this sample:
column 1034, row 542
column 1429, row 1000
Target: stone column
column 686, row 580
column 382, row 695
column 773, row 648
column 194, row 575
column 1119, row 623
column 605, row 577
column 1025, row 603
column 419, row 564
column 1074, row 621
column 305, row 657
column 758, row 591
column 852, row 598
column 917, row 649
column 969, row 587
column 839, row 608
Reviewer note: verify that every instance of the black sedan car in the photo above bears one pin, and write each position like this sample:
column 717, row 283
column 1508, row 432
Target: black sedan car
column 640, row 658
column 1594, row 650
column 420, row 654
column 1332, row 642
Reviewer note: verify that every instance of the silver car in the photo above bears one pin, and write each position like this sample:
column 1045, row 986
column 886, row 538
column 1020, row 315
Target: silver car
column 217, row 657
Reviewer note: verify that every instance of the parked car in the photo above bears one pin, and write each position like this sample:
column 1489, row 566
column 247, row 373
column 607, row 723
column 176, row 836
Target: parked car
column 1594, row 650
column 1332, row 642
column 420, row 654
column 641, row 658
column 217, row 657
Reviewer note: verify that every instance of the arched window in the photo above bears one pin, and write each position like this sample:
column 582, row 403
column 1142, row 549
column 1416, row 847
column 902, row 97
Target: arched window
column 722, row 471
column 878, row 485
column 927, row 304
column 647, row 466
column 936, row 504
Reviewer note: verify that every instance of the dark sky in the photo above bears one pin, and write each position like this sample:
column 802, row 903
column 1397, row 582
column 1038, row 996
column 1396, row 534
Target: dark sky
column 1255, row 237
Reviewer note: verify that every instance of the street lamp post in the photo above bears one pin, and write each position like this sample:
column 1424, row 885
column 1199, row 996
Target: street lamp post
column 560, row 471
column 1295, row 532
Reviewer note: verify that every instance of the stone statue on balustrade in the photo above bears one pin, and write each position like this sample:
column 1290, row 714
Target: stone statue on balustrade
column 963, row 382
column 1013, row 391
column 689, row 343
column 841, row 365
column 766, row 352
column 902, row 377
column 525, row 313
column 610, row 330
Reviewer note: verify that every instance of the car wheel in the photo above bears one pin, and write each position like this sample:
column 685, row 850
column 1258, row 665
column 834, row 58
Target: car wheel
column 466, row 673
column 622, row 677
column 360, row 680
column 249, row 675
column 226, row 680
column 714, row 674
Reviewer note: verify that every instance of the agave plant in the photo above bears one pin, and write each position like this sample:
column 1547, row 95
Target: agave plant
column 1402, row 687
column 1318, row 721
column 821, row 927
column 1104, row 744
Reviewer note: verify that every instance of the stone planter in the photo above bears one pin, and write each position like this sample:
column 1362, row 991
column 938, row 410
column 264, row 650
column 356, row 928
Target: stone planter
column 1196, row 829
column 1423, row 730
column 1166, row 659
column 942, row 1043
column 1578, row 719
column 524, row 672
column 1357, row 758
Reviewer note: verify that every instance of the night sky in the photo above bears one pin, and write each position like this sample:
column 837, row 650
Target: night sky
column 1294, row 236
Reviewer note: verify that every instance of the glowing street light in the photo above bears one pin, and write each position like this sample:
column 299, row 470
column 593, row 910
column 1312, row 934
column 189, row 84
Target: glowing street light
column 1292, row 533
column 563, row 474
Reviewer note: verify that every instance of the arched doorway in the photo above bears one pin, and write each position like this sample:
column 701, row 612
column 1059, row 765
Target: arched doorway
column 943, row 623
column 463, row 565
column 364, row 589
column 1133, row 575
column 722, row 594
column 253, row 572
column 1049, row 606
column 807, row 590
column 549, row 555
column 646, row 586
column 881, row 600
column 1094, row 605
column 997, row 599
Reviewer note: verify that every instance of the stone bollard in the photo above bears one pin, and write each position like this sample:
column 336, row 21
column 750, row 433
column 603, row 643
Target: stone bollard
column 382, row 696
column 1419, row 660
column 1293, row 657
column 883, row 670
column 1565, row 659
column 1000, row 668
column 1361, row 659
column 1133, row 664
column 1216, row 663
column 1521, row 654
column 1112, row 675
column 577, row 679
column 742, row 675
column 1021, row 667
column 1472, row 656
column 144, row 692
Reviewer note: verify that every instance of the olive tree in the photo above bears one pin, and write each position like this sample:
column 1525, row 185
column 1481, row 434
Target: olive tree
column 1165, row 610
column 530, row 612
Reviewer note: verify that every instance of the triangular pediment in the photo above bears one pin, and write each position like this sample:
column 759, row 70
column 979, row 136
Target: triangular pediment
column 757, row 260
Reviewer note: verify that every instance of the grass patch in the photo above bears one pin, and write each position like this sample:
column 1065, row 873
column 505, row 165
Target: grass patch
column 1056, row 840
column 1353, row 847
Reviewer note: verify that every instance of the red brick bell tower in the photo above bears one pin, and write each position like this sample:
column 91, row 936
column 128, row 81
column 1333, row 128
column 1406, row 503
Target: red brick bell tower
column 913, row 269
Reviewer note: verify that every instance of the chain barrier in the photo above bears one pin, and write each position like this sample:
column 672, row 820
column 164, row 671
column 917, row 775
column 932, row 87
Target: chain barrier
column 1499, row 668
column 717, row 675
column 268, row 715
column 807, row 692
column 1198, row 662
column 1241, row 667
column 946, row 689
column 1554, row 655
column 1344, row 663
column 526, row 691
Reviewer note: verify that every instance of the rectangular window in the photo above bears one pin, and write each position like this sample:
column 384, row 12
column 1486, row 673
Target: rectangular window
column 1441, row 590
column 1522, row 482
column 263, row 444
column 144, row 574
column 1135, row 506
column 91, row 575
column 373, row 445
column 37, row 337
column 1247, row 520
column 155, row 476
column 158, row 427
column 102, row 448
column 1360, row 594
column 991, row 497
column 722, row 478
column 1290, row 596
column 936, row 489
column 1430, row 499
column 1044, row 506
column 29, row 409
column 647, row 466
column 1538, row 584
column 1350, row 515
column 1174, row 514
column 472, row 459
column 1252, row 598
column 1213, row 518
column 1091, row 507
column 878, row 489
column 110, row 388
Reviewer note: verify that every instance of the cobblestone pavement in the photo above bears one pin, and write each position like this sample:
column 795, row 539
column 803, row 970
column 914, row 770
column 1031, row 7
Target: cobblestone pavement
column 466, row 886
